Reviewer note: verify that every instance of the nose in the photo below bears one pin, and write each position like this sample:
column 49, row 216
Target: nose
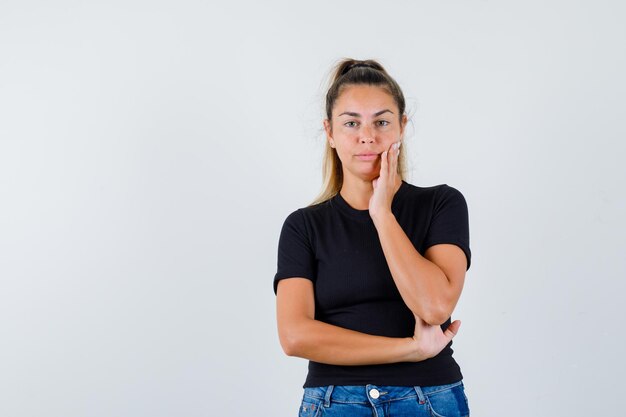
column 367, row 135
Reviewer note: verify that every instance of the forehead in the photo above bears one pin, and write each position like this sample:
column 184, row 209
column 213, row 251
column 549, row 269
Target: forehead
column 364, row 99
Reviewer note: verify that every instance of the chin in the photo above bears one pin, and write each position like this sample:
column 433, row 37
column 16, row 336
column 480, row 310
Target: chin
column 368, row 176
column 366, row 173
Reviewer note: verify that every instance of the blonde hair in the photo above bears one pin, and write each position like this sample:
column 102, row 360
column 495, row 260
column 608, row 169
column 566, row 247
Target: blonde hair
column 353, row 72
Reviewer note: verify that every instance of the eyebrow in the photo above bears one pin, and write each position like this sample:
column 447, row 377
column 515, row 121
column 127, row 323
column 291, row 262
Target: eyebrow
column 353, row 114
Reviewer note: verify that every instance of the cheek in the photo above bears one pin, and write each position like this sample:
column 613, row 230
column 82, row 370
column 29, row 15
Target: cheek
column 393, row 137
column 386, row 144
column 340, row 152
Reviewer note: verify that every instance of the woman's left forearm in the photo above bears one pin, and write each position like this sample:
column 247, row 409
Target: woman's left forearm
column 423, row 286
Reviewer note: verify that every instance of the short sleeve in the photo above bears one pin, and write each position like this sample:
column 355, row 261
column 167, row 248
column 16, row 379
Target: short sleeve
column 450, row 221
column 295, row 253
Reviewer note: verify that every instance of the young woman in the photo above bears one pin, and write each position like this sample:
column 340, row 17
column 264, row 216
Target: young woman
column 369, row 274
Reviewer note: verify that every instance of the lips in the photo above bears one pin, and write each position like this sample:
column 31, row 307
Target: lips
column 366, row 156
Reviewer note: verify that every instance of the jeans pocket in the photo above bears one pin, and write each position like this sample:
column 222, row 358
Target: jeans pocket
column 450, row 402
column 309, row 407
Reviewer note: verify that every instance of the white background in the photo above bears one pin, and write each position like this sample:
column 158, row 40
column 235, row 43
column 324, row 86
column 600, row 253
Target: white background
column 150, row 151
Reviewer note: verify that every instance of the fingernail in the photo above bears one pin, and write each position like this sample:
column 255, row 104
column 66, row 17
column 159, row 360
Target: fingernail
column 399, row 144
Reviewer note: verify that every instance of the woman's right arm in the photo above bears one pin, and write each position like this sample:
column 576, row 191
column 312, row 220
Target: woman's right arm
column 303, row 336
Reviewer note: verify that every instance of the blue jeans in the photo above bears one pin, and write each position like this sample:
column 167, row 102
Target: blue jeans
column 385, row 401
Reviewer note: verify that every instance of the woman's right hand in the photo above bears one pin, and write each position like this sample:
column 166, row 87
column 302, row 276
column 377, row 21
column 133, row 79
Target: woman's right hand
column 429, row 340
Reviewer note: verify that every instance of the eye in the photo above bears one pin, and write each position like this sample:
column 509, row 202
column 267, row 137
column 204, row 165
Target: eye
column 350, row 124
column 382, row 123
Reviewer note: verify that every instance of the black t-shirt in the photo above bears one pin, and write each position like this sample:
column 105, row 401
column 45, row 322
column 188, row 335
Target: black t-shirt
column 337, row 247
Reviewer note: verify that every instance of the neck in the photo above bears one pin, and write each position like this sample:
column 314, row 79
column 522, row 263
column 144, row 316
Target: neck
column 357, row 192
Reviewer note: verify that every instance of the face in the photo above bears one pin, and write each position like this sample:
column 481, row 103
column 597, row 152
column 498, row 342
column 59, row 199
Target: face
column 365, row 123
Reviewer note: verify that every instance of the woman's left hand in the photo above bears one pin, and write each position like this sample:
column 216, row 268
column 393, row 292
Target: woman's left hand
column 385, row 186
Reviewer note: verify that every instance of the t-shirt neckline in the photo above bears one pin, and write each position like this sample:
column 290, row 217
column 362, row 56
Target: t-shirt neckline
column 364, row 215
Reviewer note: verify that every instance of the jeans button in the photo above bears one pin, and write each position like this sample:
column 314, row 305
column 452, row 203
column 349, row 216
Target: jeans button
column 374, row 393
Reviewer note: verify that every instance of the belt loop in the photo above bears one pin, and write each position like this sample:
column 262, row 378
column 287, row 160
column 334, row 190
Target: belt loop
column 420, row 394
column 329, row 391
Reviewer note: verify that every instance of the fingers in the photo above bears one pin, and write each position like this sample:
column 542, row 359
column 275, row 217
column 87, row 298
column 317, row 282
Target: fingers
column 453, row 329
column 389, row 160
column 420, row 326
column 394, row 151
column 384, row 164
column 393, row 169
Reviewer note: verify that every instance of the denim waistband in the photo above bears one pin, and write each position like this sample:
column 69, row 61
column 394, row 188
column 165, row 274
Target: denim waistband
column 372, row 394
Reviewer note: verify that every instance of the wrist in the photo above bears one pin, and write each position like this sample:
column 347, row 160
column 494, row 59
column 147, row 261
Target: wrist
column 382, row 218
column 408, row 349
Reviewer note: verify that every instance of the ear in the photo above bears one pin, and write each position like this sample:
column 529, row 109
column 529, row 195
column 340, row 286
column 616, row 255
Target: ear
column 329, row 133
column 403, row 125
